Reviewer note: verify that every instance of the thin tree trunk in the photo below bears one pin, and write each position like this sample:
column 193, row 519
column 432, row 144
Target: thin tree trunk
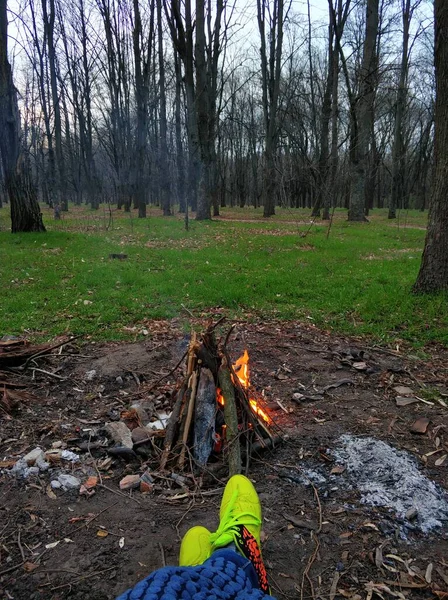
column 433, row 274
column 25, row 210
column 398, row 150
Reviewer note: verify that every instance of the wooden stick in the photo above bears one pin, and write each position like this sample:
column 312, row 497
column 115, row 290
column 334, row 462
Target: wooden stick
column 193, row 386
column 172, row 426
column 230, row 416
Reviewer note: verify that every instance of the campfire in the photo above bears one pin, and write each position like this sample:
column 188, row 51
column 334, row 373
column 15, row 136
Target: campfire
column 217, row 415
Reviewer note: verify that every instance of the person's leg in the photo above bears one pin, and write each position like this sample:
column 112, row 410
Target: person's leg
column 232, row 566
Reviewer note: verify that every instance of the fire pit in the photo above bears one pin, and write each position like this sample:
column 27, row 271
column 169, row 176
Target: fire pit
column 217, row 415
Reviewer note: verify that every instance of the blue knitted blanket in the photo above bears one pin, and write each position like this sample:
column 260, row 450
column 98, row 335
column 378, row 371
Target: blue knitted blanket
column 224, row 576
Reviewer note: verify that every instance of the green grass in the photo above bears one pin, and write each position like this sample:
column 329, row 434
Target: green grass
column 357, row 281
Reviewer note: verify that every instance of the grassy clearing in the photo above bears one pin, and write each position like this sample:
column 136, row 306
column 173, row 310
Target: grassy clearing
column 357, row 281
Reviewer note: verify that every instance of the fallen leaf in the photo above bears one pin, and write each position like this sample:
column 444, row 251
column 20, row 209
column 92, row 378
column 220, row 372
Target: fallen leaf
column 334, row 585
column 428, row 573
column 50, row 492
column 52, row 545
column 440, row 594
column 442, row 575
column 403, row 390
column 337, row 470
column 349, row 595
column 300, row 523
column 338, row 511
column 441, row 461
column 121, row 542
column 379, row 557
column 102, row 533
column 420, row 425
column 359, row 366
column 346, row 534
column 29, row 566
column 403, row 401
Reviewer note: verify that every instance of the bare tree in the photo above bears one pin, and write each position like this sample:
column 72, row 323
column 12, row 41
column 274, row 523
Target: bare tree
column 398, row 148
column 271, row 17
column 142, row 63
column 364, row 114
column 25, row 211
column 433, row 274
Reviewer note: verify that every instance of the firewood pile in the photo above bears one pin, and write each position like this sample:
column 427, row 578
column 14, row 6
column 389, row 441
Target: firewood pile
column 217, row 416
column 16, row 357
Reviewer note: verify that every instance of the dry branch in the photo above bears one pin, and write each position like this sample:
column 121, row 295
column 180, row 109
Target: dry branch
column 231, row 417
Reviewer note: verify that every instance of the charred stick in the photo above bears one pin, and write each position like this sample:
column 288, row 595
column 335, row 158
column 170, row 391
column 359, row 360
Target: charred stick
column 172, row 426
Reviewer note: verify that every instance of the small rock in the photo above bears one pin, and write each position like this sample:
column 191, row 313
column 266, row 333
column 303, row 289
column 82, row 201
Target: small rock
column 145, row 487
column 139, row 434
column 42, row 464
column 70, row 456
column 130, row 482
column 32, row 456
column 31, row 471
column 120, row 433
column 91, row 482
column 297, row 396
column 119, row 380
column 69, row 482
column 19, row 467
column 90, row 375
column 127, row 454
column 420, row 425
column 147, row 477
column 411, row 513
column 55, row 484
column 58, row 444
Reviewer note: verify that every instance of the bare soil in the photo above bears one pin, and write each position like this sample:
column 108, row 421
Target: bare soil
column 320, row 541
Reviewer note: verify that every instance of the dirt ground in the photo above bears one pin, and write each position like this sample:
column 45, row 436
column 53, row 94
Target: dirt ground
column 320, row 540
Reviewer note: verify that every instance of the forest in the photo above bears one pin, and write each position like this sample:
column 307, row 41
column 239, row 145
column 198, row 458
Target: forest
column 198, row 106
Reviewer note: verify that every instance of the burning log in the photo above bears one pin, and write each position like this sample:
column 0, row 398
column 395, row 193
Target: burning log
column 230, row 417
column 216, row 411
column 205, row 417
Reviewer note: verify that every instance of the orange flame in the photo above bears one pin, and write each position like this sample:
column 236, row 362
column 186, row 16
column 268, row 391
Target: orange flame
column 241, row 369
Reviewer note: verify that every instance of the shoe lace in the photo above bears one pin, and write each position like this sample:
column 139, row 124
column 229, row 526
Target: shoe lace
column 229, row 523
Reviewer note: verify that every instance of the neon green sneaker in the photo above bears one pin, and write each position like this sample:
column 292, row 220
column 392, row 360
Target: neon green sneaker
column 195, row 547
column 240, row 524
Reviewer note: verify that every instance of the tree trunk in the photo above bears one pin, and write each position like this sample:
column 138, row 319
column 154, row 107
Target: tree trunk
column 364, row 115
column 271, row 60
column 25, row 210
column 433, row 274
column 398, row 149
column 165, row 187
